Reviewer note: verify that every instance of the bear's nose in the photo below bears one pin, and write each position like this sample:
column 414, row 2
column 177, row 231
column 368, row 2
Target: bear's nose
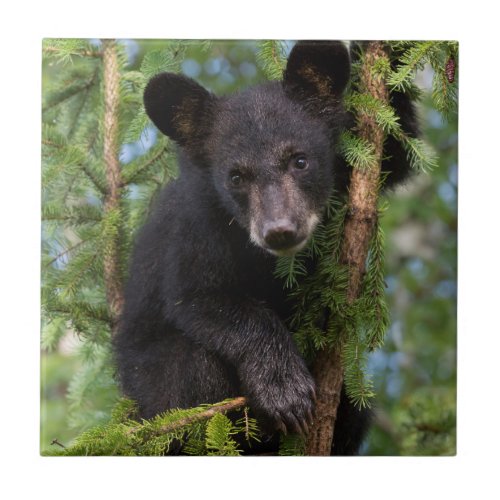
column 280, row 234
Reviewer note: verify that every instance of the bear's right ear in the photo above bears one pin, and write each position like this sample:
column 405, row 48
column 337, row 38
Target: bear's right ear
column 178, row 106
column 317, row 69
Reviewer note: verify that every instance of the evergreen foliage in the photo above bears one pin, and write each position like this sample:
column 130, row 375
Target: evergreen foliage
column 271, row 58
column 125, row 435
column 414, row 56
column 427, row 425
column 77, row 230
column 292, row 445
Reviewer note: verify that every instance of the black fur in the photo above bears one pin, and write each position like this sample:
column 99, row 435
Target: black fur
column 204, row 315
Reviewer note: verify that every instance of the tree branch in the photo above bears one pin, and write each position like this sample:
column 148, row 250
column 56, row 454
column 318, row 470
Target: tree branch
column 358, row 229
column 233, row 404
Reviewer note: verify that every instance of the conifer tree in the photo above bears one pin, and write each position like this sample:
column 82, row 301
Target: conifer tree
column 93, row 203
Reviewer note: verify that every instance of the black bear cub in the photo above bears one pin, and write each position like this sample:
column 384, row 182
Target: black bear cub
column 204, row 314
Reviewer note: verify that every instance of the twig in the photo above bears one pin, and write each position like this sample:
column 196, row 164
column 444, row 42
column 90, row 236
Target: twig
column 66, row 251
column 55, row 441
column 233, row 404
column 276, row 59
column 128, row 180
column 82, row 104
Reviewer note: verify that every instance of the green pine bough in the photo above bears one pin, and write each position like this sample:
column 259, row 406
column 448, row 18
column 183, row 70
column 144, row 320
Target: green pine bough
column 82, row 232
column 204, row 430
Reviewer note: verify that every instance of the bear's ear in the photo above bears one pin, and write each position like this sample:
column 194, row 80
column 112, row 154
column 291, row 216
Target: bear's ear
column 178, row 106
column 317, row 68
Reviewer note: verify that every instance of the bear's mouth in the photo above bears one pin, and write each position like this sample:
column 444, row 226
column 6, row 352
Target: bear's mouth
column 286, row 251
column 285, row 239
column 279, row 244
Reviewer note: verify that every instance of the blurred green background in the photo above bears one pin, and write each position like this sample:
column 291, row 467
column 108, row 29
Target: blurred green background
column 415, row 372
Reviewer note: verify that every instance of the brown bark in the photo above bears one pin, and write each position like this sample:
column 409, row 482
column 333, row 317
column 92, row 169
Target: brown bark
column 112, row 270
column 327, row 372
column 359, row 225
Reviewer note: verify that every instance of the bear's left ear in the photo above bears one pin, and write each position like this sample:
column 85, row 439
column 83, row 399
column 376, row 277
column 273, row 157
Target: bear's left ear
column 317, row 69
column 179, row 107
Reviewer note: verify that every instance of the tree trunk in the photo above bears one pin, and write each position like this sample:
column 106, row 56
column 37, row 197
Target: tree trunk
column 360, row 222
column 112, row 268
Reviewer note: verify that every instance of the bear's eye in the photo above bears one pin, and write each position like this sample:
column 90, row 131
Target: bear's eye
column 299, row 162
column 235, row 178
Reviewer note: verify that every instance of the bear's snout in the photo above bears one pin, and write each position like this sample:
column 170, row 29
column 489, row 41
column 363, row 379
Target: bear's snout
column 281, row 234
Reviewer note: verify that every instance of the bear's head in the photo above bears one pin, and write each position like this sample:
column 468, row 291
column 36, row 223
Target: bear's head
column 270, row 149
